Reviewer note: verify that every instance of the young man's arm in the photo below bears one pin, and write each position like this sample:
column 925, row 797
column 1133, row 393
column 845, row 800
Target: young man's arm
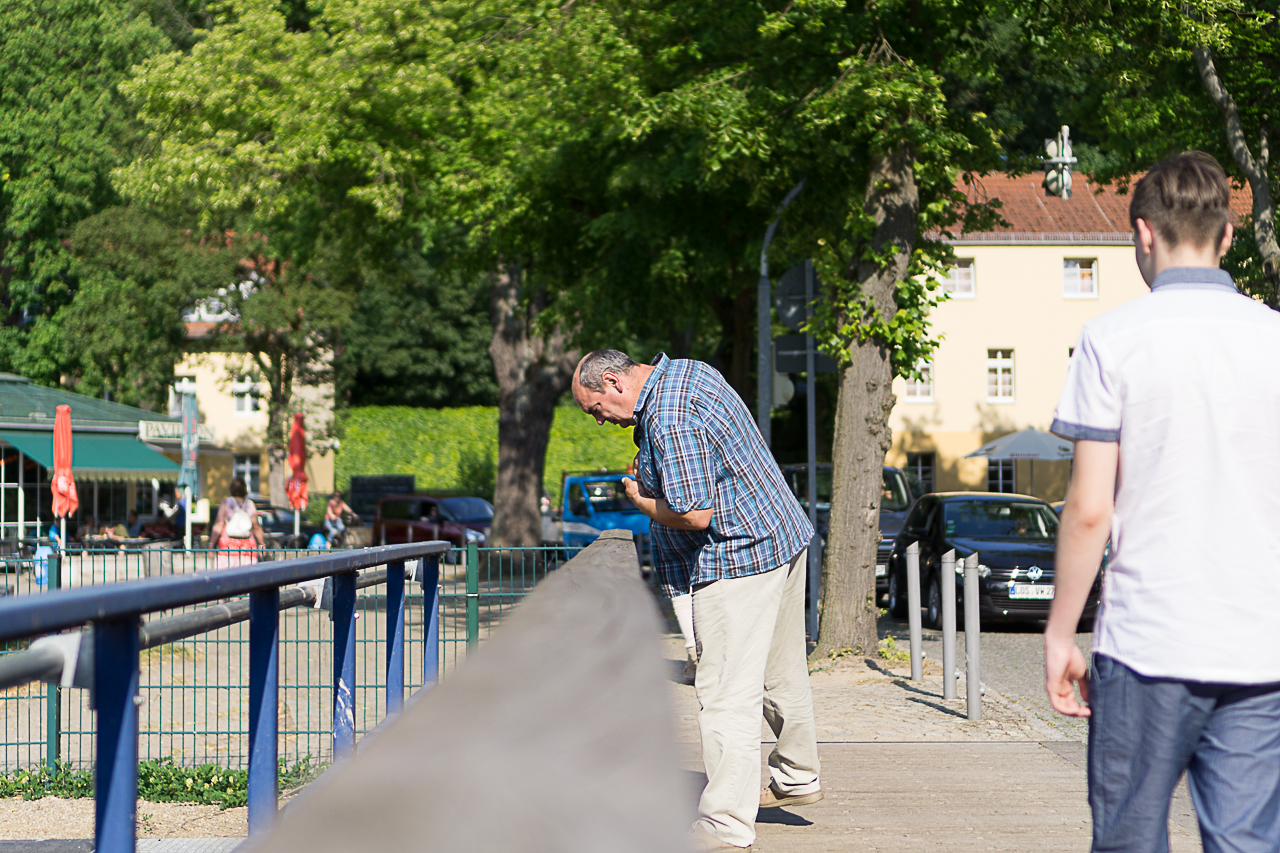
column 657, row 509
column 1086, row 525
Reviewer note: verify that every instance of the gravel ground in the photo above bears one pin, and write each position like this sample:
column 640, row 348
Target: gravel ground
column 53, row 817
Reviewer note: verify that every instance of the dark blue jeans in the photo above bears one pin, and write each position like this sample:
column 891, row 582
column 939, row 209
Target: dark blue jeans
column 1145, row 731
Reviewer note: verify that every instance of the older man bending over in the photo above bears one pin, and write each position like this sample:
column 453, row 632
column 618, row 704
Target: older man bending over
column 729, row 531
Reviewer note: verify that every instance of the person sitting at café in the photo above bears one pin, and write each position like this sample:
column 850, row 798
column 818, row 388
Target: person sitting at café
column 134, row 527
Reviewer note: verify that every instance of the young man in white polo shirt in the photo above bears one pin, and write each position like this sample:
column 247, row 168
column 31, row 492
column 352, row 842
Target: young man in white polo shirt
column 1173, row 401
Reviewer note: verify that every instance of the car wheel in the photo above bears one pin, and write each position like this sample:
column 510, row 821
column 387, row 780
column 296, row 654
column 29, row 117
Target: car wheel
column 933, row 611
column 897, row 597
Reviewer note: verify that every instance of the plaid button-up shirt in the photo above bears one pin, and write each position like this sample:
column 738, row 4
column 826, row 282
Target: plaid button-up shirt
column 699, row 449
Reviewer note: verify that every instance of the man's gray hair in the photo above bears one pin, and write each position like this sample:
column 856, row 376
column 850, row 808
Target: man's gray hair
column 602, row 361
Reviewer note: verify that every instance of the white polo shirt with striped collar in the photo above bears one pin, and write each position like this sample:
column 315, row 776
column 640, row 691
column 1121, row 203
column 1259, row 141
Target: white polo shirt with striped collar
column 1187, row 380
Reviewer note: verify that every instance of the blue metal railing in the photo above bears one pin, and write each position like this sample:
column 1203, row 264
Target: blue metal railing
column 195, row 691
column 114, row 611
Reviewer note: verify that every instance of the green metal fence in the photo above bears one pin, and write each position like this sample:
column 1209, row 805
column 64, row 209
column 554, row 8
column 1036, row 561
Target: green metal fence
column 194, row 694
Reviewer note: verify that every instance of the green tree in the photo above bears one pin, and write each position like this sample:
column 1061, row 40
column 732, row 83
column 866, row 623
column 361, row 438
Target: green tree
column 378, row 122
column 877, row 109
column 122, row 332
column 63, row 128
column 286, row 134
column 418, row 336
column 287, row 321
column 1167, row 78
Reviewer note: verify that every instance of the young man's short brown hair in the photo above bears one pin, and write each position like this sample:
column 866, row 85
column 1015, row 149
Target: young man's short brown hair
column 1185, row 199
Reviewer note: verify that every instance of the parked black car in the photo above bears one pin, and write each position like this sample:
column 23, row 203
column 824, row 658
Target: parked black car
column 895, row 500
column 1014, row 536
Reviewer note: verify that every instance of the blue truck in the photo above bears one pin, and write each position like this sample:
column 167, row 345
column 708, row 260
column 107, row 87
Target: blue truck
column 592, row 502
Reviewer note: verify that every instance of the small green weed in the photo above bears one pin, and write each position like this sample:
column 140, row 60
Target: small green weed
column 889, row 651
column 833, row 658
column 158, row 782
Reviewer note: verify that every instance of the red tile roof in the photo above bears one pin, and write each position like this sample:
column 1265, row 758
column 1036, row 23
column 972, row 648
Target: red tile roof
column 197, row 330
column 1094, row 213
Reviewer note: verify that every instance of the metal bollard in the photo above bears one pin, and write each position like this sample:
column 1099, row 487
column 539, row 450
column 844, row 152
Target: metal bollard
column 948, row 590
column 972, row 639
column 913, row 609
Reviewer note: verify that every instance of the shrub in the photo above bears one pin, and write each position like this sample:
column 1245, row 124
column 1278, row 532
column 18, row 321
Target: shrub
column 457, row 449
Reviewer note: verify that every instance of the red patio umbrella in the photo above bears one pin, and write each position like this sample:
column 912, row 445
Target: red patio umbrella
column 297, row 487
column 65, row 501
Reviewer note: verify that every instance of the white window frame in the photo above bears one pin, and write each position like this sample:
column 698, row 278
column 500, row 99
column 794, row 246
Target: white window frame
column 181, row 385
column 1071, row 277
column 1001, row 361
column 247, row 400
column 916, row 465
column 920, row 391
column 955, row 279
column 252, row 465
column 1005, row 472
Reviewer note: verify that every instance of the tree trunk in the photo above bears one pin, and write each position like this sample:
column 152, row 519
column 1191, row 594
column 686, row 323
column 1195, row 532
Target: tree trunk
column 1255, row 170
column 862, row 433
column 533, row 373
column 737, row 316
column 278, row 368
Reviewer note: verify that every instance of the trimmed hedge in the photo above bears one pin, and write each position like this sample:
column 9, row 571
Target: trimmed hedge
column 457, row 449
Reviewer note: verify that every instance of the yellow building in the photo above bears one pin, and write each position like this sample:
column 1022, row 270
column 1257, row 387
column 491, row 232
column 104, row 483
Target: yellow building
column 232, row 405
column 1019, row 297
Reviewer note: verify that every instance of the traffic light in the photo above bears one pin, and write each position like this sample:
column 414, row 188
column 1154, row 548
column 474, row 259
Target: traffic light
column 1057, row 165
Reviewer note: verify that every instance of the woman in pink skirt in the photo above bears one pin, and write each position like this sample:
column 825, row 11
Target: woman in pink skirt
column 236, row 530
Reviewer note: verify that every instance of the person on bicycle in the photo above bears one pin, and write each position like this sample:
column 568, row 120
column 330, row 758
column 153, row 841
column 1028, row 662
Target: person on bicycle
column 333, row 514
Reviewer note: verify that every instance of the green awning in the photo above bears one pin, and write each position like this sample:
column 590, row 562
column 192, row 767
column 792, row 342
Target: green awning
column 98, row 456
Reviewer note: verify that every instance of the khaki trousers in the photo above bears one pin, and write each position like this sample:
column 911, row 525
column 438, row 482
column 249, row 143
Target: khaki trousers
column 751, row 655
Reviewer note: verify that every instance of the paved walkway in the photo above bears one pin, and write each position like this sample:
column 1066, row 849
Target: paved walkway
column 905, row 770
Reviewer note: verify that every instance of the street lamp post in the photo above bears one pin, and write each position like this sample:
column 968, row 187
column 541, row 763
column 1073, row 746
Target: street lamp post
column 764, row 359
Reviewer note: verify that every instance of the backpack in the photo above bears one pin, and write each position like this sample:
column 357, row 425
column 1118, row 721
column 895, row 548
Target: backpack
column 239, row 525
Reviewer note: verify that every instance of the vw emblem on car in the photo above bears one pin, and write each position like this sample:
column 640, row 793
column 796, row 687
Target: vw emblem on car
column 1035, row 573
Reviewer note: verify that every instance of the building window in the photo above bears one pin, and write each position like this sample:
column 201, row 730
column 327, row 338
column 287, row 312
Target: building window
column 920, row 473
column 1000, row 475
column 181, row 385
column 144, row 500
column 960, row 282
column 245, row 391
column 921, row 390
column 1080, row 278
column 247, row 467
column 999, row 376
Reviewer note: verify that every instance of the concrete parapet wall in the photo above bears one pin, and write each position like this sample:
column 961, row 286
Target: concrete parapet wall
column 556, row 735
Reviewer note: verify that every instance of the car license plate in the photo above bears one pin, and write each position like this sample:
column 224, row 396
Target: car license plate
column 1026, row 590
column 881, row 570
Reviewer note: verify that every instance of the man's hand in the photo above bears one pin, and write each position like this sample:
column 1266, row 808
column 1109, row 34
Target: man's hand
column 657, row 509
column 635, row 491
column 1065, row 666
